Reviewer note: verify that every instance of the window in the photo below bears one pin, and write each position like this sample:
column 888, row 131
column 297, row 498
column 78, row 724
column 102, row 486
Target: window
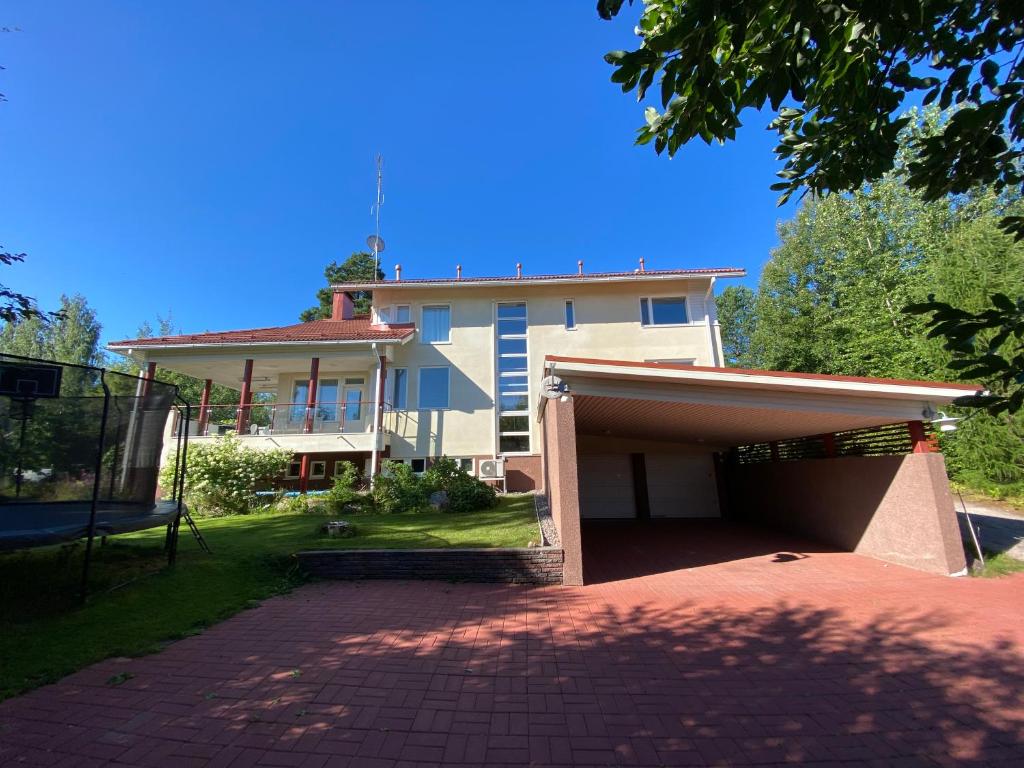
column 434, row 387
column 300, row 396
column 339, row 467
column 397, row 314
column 665, row 310
column 437, row 325
column 318, row 470
column 419, row 466
column 570, row 315
column 327, row 400
column 398, row 388
column 294, row 468
column 513, row 394
column 466, row 465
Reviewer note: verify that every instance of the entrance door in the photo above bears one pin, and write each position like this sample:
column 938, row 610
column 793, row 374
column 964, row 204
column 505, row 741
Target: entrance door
column 606, row 486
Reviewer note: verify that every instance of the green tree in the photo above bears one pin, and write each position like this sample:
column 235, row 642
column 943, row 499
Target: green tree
column 357, row 267
column 72, row 336
column 189, row 387
column 837, row 77
column 738, row 319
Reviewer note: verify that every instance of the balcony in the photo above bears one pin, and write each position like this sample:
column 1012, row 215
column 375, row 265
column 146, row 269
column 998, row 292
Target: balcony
column 324, row 427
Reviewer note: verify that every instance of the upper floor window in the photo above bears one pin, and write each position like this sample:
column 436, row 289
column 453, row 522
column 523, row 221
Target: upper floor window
column 570, row 315
column 397, row 314
column 436, row 327
column 663, row 310
column 398, row 388
column 434, row 387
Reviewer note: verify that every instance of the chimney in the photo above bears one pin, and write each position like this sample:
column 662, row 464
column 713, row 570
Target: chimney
column 458, row 271
column 579, row 266
column 398, row 272
column 519, row 270
column 642, row 264
column 342, row 307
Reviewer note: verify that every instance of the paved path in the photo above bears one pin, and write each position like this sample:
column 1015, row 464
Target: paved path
column 812, row 657
column 999, row 529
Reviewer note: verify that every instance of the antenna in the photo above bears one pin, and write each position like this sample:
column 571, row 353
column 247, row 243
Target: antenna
column 375, row 241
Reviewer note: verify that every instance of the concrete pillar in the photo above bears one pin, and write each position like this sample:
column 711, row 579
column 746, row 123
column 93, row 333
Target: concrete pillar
column 314, row 376
column 563, row 484
column 204, row 407
column 244, row 400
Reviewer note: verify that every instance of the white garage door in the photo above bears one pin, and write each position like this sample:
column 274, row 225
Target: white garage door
column 679, row 485
column 606, row 486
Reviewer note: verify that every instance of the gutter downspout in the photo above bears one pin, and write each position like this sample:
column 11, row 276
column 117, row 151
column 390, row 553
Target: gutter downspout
column 708, row 303
column 375, row 455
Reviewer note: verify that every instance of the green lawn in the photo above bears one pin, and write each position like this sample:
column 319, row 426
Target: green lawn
column 999, row 564
column 137, row 604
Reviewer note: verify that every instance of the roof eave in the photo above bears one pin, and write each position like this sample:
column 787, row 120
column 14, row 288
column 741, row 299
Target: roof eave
column 511, row 281
column 127, row 348
column 929, row 392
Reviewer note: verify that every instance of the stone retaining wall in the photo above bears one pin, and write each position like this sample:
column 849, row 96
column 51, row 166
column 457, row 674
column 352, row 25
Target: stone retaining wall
column 542, row 565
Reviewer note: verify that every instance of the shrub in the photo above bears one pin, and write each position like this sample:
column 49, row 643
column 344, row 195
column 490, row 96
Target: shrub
column 344, row 489
column 465, row 492
column 397, row 489
column 223, row 476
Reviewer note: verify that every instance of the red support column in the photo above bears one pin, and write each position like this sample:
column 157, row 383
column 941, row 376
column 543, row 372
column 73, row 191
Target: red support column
column 314, row 375
column 304, row 473
column 244, row 400
column 918, row 441
column 829, row 440
column 204, row 407
column 147, row 384
column 773, row 447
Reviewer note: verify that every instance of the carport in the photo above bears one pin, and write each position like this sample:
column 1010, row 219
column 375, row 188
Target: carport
column 632, row 451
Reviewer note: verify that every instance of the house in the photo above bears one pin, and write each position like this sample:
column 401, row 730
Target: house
column 636, row 416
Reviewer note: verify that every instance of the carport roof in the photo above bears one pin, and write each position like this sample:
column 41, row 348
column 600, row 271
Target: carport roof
column 730, row 406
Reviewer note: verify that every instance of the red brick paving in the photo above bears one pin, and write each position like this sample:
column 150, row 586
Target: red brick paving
column 813, row 657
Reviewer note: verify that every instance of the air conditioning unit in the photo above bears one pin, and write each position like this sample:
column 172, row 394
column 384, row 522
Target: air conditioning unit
column 491, row 469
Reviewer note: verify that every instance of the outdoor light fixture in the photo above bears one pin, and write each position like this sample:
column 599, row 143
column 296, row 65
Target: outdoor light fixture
column 945, row 423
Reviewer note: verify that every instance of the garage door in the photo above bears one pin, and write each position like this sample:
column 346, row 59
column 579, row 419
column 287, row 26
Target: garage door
column 606, row 486
column 679, row 485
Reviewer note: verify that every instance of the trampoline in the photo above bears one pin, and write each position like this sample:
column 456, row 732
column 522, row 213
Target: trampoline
column 80, row 454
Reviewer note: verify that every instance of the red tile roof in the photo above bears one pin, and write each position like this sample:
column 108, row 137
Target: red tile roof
column 649, row 274
column 356, row 329
column 761, row 372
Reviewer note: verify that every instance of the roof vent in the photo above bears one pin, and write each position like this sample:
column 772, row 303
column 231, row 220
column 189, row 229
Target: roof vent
column 519, row 270
column 458, row 271
column 398, row 272
column 579, row 266
column 642, row 264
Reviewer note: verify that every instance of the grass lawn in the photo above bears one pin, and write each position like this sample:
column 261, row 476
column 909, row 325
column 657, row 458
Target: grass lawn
column 137, row 604
column 1000, row 564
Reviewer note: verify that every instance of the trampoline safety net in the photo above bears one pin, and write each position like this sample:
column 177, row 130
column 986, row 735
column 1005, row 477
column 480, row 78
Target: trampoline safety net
column 53, row 443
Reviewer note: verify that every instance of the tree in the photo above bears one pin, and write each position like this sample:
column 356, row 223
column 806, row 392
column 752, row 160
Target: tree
column 72, row 336
column 189, row 387
column 738, row 319
column 359, row 267
column 15, row 306
column 836, row 77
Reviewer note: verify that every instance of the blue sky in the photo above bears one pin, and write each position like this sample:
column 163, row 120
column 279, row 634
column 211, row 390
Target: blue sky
column 209, row 158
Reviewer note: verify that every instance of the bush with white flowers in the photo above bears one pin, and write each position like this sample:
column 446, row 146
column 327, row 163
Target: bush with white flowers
column 223, row 476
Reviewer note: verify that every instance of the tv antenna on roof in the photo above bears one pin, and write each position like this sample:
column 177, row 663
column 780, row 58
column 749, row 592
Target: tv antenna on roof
column 375, row 241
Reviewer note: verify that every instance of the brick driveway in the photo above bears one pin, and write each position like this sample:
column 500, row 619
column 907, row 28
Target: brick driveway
column 778, row 657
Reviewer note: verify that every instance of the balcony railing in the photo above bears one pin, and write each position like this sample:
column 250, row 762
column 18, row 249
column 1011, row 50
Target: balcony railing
column 285, row 418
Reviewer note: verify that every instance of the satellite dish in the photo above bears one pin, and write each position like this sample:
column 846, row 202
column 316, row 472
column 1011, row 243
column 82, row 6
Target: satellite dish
column 376, row 243
column 552, row 387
